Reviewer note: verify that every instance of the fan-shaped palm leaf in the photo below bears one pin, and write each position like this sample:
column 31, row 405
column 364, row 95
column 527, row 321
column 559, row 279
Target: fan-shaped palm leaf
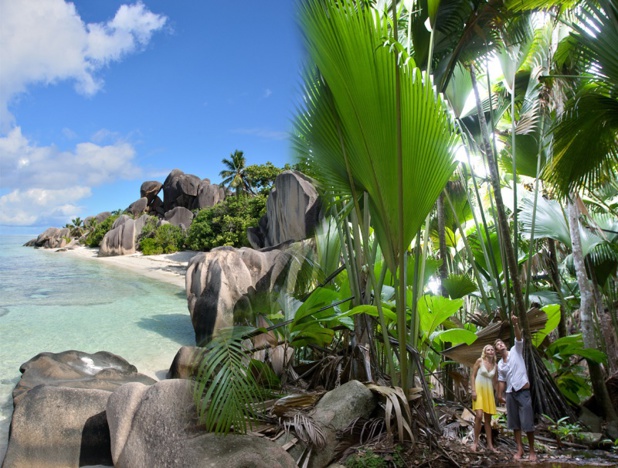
column 351, row 121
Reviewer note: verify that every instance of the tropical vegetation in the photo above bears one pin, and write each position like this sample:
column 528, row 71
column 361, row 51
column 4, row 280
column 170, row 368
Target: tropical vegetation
column 466, row 155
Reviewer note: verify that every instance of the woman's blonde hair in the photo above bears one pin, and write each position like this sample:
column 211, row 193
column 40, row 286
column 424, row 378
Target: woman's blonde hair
column 484, row 356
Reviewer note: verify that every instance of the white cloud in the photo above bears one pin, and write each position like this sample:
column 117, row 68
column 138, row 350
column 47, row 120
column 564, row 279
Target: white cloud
column 41, row 207
column 44, row 182
column 46, row 41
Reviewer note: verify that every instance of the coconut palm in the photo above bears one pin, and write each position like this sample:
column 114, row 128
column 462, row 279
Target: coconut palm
column 235, row 176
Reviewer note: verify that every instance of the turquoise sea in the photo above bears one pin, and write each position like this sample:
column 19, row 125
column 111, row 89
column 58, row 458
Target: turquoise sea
column 50, row 301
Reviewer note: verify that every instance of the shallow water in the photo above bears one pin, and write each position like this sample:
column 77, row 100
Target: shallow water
column 50, row 301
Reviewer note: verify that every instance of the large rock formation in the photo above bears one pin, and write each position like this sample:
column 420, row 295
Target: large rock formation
column 222, row 284
column 157, row 426
column 292, row 212
column 59, row 418
column 76, row 369
column 59, row 427
column 335, row 411
column 97, row 219
column 51, row 238
column 180, row 217
column 179, row 189
column 208, row 195
column 122, row 238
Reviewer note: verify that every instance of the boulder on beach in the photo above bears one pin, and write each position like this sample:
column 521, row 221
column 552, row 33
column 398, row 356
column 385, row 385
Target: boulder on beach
column 293, row 211
column 59, row 427
column 76, row 369
column 222, row 284
column 122, row 238
column 157, row 426
column 180, row 189
column 59, row 408
column 51, row 238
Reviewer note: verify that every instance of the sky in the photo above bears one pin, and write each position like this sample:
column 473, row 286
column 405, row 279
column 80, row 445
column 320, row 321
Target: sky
column 99, row 96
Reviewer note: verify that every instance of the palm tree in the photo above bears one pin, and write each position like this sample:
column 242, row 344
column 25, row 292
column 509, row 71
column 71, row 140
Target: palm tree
column 378, row 135
column 235, row 176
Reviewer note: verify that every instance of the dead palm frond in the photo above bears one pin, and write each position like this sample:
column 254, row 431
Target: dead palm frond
column 306, row 429
column 468, row 354
column 395, row 406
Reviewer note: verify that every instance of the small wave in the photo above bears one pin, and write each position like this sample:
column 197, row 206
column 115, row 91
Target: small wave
column 3, row 311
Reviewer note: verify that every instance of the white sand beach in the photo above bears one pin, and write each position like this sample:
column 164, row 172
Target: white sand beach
column 169, row 268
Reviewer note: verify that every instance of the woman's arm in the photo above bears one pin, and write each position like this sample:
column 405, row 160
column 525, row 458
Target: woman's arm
column 475, row 370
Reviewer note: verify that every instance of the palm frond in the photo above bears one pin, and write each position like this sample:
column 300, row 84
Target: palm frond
column 358, row 141
column 305, row 428
column 225, row 391
column 395, row 406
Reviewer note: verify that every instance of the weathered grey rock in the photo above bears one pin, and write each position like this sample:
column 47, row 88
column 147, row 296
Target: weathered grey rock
column 76, row 369
column 179, row 216
column 97, row 219
column 292, row 211
column 179, row 189
column 222, row 284
column 138, row 207
column 150, row 190
column 52, row 238
column 184, row 365
column 334, row 412
column 122, row 238
column 157, row 426
column 60, row 400
column 208, row 195
column 156, row 207
column 59, row 427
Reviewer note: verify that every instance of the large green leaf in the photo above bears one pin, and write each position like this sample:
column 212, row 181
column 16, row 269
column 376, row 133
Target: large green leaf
column 454, row 336
column 458, row 286
column 350, row 120
column 434, row 310
column 553, row 319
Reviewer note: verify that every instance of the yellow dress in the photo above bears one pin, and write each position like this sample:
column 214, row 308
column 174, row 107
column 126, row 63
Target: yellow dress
column 484, row 386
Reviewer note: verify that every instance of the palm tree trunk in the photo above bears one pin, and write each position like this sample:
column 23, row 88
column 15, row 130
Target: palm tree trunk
column 555, row 278
column 547, row 398
column 442, row 241
column 586, row 311
column 503, row 223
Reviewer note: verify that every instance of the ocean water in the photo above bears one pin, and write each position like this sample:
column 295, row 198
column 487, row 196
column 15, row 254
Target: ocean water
column 50, row 301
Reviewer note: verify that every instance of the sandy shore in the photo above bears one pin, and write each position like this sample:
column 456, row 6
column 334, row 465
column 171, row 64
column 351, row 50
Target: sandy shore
column 169, row 268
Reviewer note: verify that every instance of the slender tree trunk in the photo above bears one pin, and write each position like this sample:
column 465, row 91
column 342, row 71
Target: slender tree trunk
column 603, row 324
column 442, row 240
column 443, row 271
column 547, row 399
column 586, row 311
column 555, row 278
column 503, row 223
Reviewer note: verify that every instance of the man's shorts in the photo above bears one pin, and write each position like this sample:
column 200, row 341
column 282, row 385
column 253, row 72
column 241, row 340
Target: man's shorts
column 520, row 415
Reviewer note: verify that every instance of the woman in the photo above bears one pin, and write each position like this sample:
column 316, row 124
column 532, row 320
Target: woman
column 484, row 381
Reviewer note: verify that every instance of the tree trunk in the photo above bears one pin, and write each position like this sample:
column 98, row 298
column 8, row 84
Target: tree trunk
column 555, row 278
column 586, row 311
column 547, row 398
column 503, row 223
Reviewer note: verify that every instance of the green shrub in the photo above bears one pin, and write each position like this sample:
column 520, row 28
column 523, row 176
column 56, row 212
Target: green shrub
column 165, row 239
column 226, row 223
column 98, row 231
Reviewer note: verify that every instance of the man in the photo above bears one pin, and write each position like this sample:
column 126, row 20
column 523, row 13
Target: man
column 513, row 378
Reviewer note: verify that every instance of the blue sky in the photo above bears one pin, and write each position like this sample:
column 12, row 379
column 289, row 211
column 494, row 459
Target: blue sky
column 98, row 96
